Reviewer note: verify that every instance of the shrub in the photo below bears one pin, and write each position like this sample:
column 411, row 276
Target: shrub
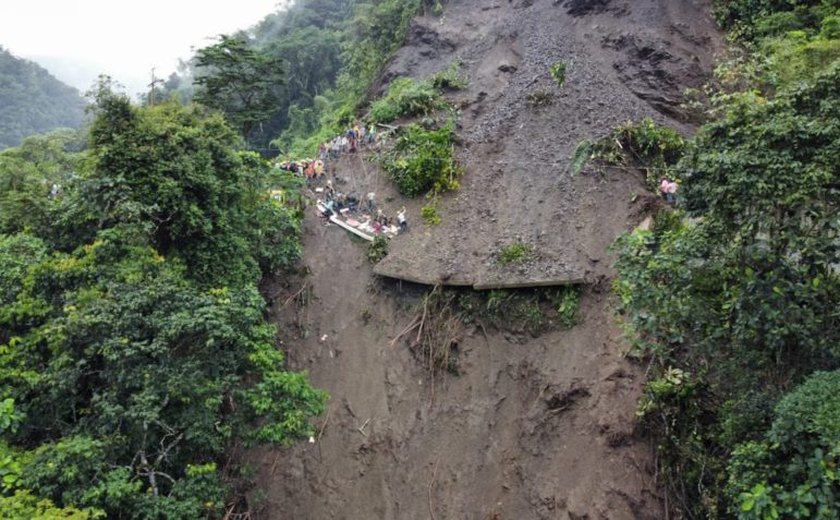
column 566, row 302
column 791, row 473
column 655, row 149
column 378, row 249
column 450, row 78
column 430, row 214
column 406, row 97
column 515, row 252
column 539, row 98
column 558, row 73
column 423, row 160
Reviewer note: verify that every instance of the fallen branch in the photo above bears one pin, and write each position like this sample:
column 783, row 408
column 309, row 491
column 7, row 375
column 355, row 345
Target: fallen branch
column 423, row 319
column 350, row 408
column 324, row 426
column 431, row 485
column 274, row 465
column 292, row 297
column 414, row 323
column 362, row 428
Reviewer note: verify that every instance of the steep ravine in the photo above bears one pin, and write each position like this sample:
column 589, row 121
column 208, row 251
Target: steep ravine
column 490, row 443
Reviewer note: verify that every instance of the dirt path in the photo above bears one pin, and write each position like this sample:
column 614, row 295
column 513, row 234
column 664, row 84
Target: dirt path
column 533, row 428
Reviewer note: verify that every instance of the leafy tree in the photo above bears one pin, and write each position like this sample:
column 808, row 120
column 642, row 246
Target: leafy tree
column 131, row 360
column 176, row 170
column 740, row 292
column 29, row 174
column 239, row 81
column 792, row 472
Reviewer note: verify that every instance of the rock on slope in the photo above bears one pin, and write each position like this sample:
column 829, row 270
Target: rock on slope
column 533, row 428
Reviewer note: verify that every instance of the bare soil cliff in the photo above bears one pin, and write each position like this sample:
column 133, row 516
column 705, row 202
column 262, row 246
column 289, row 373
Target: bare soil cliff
column 533, row 427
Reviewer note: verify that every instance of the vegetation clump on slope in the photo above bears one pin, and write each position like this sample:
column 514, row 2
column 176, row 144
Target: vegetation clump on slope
column 423, row 160
column 645, row 145
column 733, row 295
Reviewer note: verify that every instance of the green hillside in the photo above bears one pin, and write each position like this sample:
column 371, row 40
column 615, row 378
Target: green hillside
column 32, row 101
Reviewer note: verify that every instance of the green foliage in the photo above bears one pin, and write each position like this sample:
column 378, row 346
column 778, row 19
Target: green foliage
column 27, row 176
column 450, row 78
column 378, row 28
column 558, row 72
column 566, row 302
column 738, row 293
column 378, row 249
column 133, row 347
column 654, row 149
column 423, row 160
column 330, row 49
column 519, row 311
column 406, row 97
column 239, row 81
column 32, row 101
column 328, row 117
column 522, row 310
column 161, row 360
column 750, row 17
column 792, row 472
column 796, row 56
column 430, row 214
column 178, row 169
column 515, row 252
column 794, row 40
column 531, row 311
column 22, row 505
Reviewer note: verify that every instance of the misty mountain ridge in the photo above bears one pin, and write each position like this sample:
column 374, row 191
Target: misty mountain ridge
column 33, row 101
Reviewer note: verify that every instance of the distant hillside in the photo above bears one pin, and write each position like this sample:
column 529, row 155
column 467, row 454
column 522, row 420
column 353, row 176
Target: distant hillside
column 32, row 101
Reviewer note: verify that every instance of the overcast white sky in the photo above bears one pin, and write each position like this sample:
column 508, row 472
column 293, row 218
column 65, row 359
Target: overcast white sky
column 78, row 39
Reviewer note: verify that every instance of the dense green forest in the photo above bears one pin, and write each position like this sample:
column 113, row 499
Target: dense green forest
column 134, row 355
column 733, row 296
column 32, row 101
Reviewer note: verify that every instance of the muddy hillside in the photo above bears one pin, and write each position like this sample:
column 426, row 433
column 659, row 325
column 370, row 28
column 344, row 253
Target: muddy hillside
column 535, row 425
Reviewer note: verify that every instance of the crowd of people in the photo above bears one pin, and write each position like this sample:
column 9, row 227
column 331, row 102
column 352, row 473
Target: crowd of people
column 350, row 208
column 349, row 141
column 361, row 212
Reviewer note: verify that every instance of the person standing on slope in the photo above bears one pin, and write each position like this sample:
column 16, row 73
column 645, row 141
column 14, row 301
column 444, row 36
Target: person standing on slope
column 668, row 190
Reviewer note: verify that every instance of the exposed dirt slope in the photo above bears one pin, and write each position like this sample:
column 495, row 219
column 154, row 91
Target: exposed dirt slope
column 533, row 428
column 626, row 60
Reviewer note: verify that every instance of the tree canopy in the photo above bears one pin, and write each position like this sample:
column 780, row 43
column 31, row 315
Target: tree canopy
column 734, row 293
column 239, row 80
column 133, row 350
